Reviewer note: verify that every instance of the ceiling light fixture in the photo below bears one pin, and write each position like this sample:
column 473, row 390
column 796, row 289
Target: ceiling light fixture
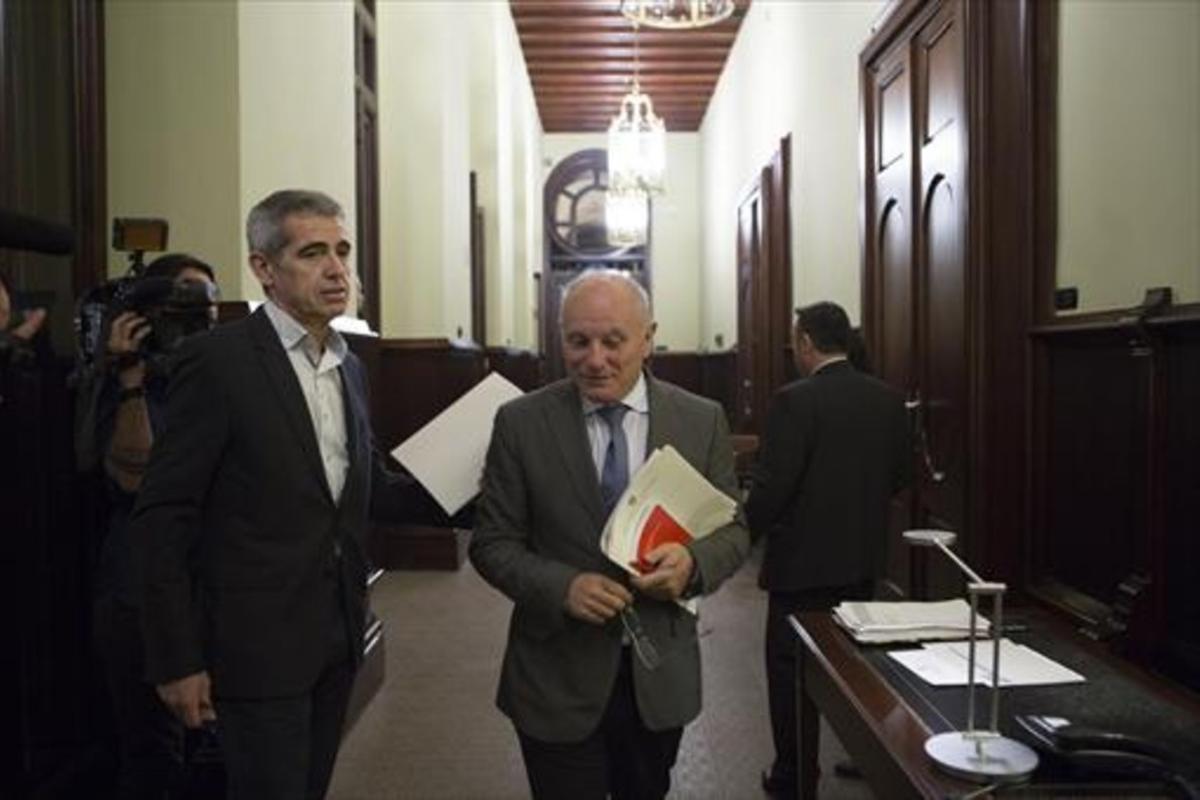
column 677, row 14
column 636, row 138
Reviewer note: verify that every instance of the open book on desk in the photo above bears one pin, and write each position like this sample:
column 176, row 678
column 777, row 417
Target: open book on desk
column 881, row 622
column 667, row 500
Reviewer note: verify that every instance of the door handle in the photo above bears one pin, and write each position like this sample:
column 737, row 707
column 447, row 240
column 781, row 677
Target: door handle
column 916, row 408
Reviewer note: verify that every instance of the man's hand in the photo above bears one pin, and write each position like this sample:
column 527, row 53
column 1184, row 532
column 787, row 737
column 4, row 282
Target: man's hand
column 124, row 337
column 30, row 324
column 673, row 565
column 595, row 598
column 189, row 698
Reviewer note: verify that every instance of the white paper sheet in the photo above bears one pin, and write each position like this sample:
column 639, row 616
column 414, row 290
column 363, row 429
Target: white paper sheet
column 447, row 455
column 945, row 664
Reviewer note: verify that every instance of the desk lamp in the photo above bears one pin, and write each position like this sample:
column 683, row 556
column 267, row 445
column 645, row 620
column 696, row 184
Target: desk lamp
column 978, row 755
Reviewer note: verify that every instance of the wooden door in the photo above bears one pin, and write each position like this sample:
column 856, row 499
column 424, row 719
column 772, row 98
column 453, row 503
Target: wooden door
column 751, row 256
column 916, row 302
column 764, row 280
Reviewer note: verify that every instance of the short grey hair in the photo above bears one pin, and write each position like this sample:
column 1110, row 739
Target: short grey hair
column 612, row 276
column 264, row 225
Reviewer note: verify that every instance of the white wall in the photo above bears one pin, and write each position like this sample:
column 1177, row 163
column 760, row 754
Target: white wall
column 675, row 263
column 424, row 121
column 171, row 74
column 454, row 96
column 296, row 76
column 793, row 69
column 213, row 105
column 505, row 143
column 1129, row 151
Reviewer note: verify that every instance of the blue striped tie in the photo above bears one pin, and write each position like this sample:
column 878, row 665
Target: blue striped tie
column 614, row 477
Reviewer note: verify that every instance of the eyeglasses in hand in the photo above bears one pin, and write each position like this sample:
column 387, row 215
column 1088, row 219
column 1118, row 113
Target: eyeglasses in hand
column 643, row 647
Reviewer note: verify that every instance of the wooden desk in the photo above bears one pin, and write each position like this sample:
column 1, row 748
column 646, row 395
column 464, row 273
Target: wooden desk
column 885, row 737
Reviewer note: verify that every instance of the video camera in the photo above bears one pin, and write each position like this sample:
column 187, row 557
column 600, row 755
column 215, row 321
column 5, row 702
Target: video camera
column 173, row 309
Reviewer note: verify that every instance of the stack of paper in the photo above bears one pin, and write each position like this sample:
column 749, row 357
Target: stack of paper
column 945, row 664
column 908, row 622
column 666, row 501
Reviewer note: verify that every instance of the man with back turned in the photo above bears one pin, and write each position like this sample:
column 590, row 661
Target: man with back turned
column 835, row 451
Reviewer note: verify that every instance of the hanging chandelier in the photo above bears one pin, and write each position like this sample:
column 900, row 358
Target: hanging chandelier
column 677, row 14
column 637, row 138
column 626, row 216
column 637, row 144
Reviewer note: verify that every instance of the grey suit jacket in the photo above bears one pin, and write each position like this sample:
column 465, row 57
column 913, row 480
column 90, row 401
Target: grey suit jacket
column 538, row 526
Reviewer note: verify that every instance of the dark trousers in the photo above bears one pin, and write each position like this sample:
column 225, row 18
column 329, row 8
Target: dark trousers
column 622, row 757
column 284, row 748
column 150, row 740
column 781, row 664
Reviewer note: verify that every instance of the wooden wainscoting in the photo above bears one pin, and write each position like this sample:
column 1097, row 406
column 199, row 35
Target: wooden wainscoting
column 411, row 381
column 1116, row 492
column 523, row 367
column 711, row 375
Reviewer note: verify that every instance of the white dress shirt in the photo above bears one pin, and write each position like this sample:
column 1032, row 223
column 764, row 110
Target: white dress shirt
column 636, row 424
column 321, row 383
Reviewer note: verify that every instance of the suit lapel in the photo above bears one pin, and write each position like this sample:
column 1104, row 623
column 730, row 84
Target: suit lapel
column 664, row 426
column 357, row 435
column 286, row 386
column 564, row 416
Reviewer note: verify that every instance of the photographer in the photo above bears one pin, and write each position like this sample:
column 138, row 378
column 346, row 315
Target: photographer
column 129, row 412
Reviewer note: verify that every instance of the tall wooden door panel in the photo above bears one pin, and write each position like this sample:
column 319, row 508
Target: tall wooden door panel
column 916, row 280
column 889, row 248
column 942, row 303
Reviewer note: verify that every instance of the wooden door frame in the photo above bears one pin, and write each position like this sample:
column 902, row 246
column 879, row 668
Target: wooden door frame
column 366, row 161
column 771, row 289
column 478, row 265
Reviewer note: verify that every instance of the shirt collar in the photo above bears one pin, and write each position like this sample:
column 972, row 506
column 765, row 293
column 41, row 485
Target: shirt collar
column 637, row 399
column 827, row 362
column 292, row 334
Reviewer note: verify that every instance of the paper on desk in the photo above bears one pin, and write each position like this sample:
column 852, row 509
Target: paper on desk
column 945, row 664
column 447, row 455
column 879, row 622
column 667, row 500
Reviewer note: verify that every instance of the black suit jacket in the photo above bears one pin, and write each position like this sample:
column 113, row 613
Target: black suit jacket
column 245, row 550
column 835, row 451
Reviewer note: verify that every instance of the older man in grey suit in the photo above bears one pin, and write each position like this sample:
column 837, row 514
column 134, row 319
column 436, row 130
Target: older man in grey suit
column 601, row 671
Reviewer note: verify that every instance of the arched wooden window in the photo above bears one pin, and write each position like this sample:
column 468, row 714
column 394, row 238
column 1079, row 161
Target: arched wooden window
column 575, row 239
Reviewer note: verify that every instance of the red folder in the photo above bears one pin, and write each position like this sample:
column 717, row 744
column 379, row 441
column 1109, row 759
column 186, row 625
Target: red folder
column 660, row 528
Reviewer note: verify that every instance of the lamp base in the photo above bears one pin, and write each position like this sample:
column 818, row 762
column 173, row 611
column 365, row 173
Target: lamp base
column 993, row 760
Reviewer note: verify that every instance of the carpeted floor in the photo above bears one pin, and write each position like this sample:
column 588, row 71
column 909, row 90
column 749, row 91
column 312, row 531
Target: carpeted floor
column 434, row 733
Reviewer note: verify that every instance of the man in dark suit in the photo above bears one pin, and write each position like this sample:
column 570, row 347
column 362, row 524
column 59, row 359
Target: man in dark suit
column 601, row 671
column 253, row 513
column 835, row 451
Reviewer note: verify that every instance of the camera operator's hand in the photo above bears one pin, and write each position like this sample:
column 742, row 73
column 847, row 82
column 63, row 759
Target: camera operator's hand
column 30, row 324
column 125, row 335
column 189, row 698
